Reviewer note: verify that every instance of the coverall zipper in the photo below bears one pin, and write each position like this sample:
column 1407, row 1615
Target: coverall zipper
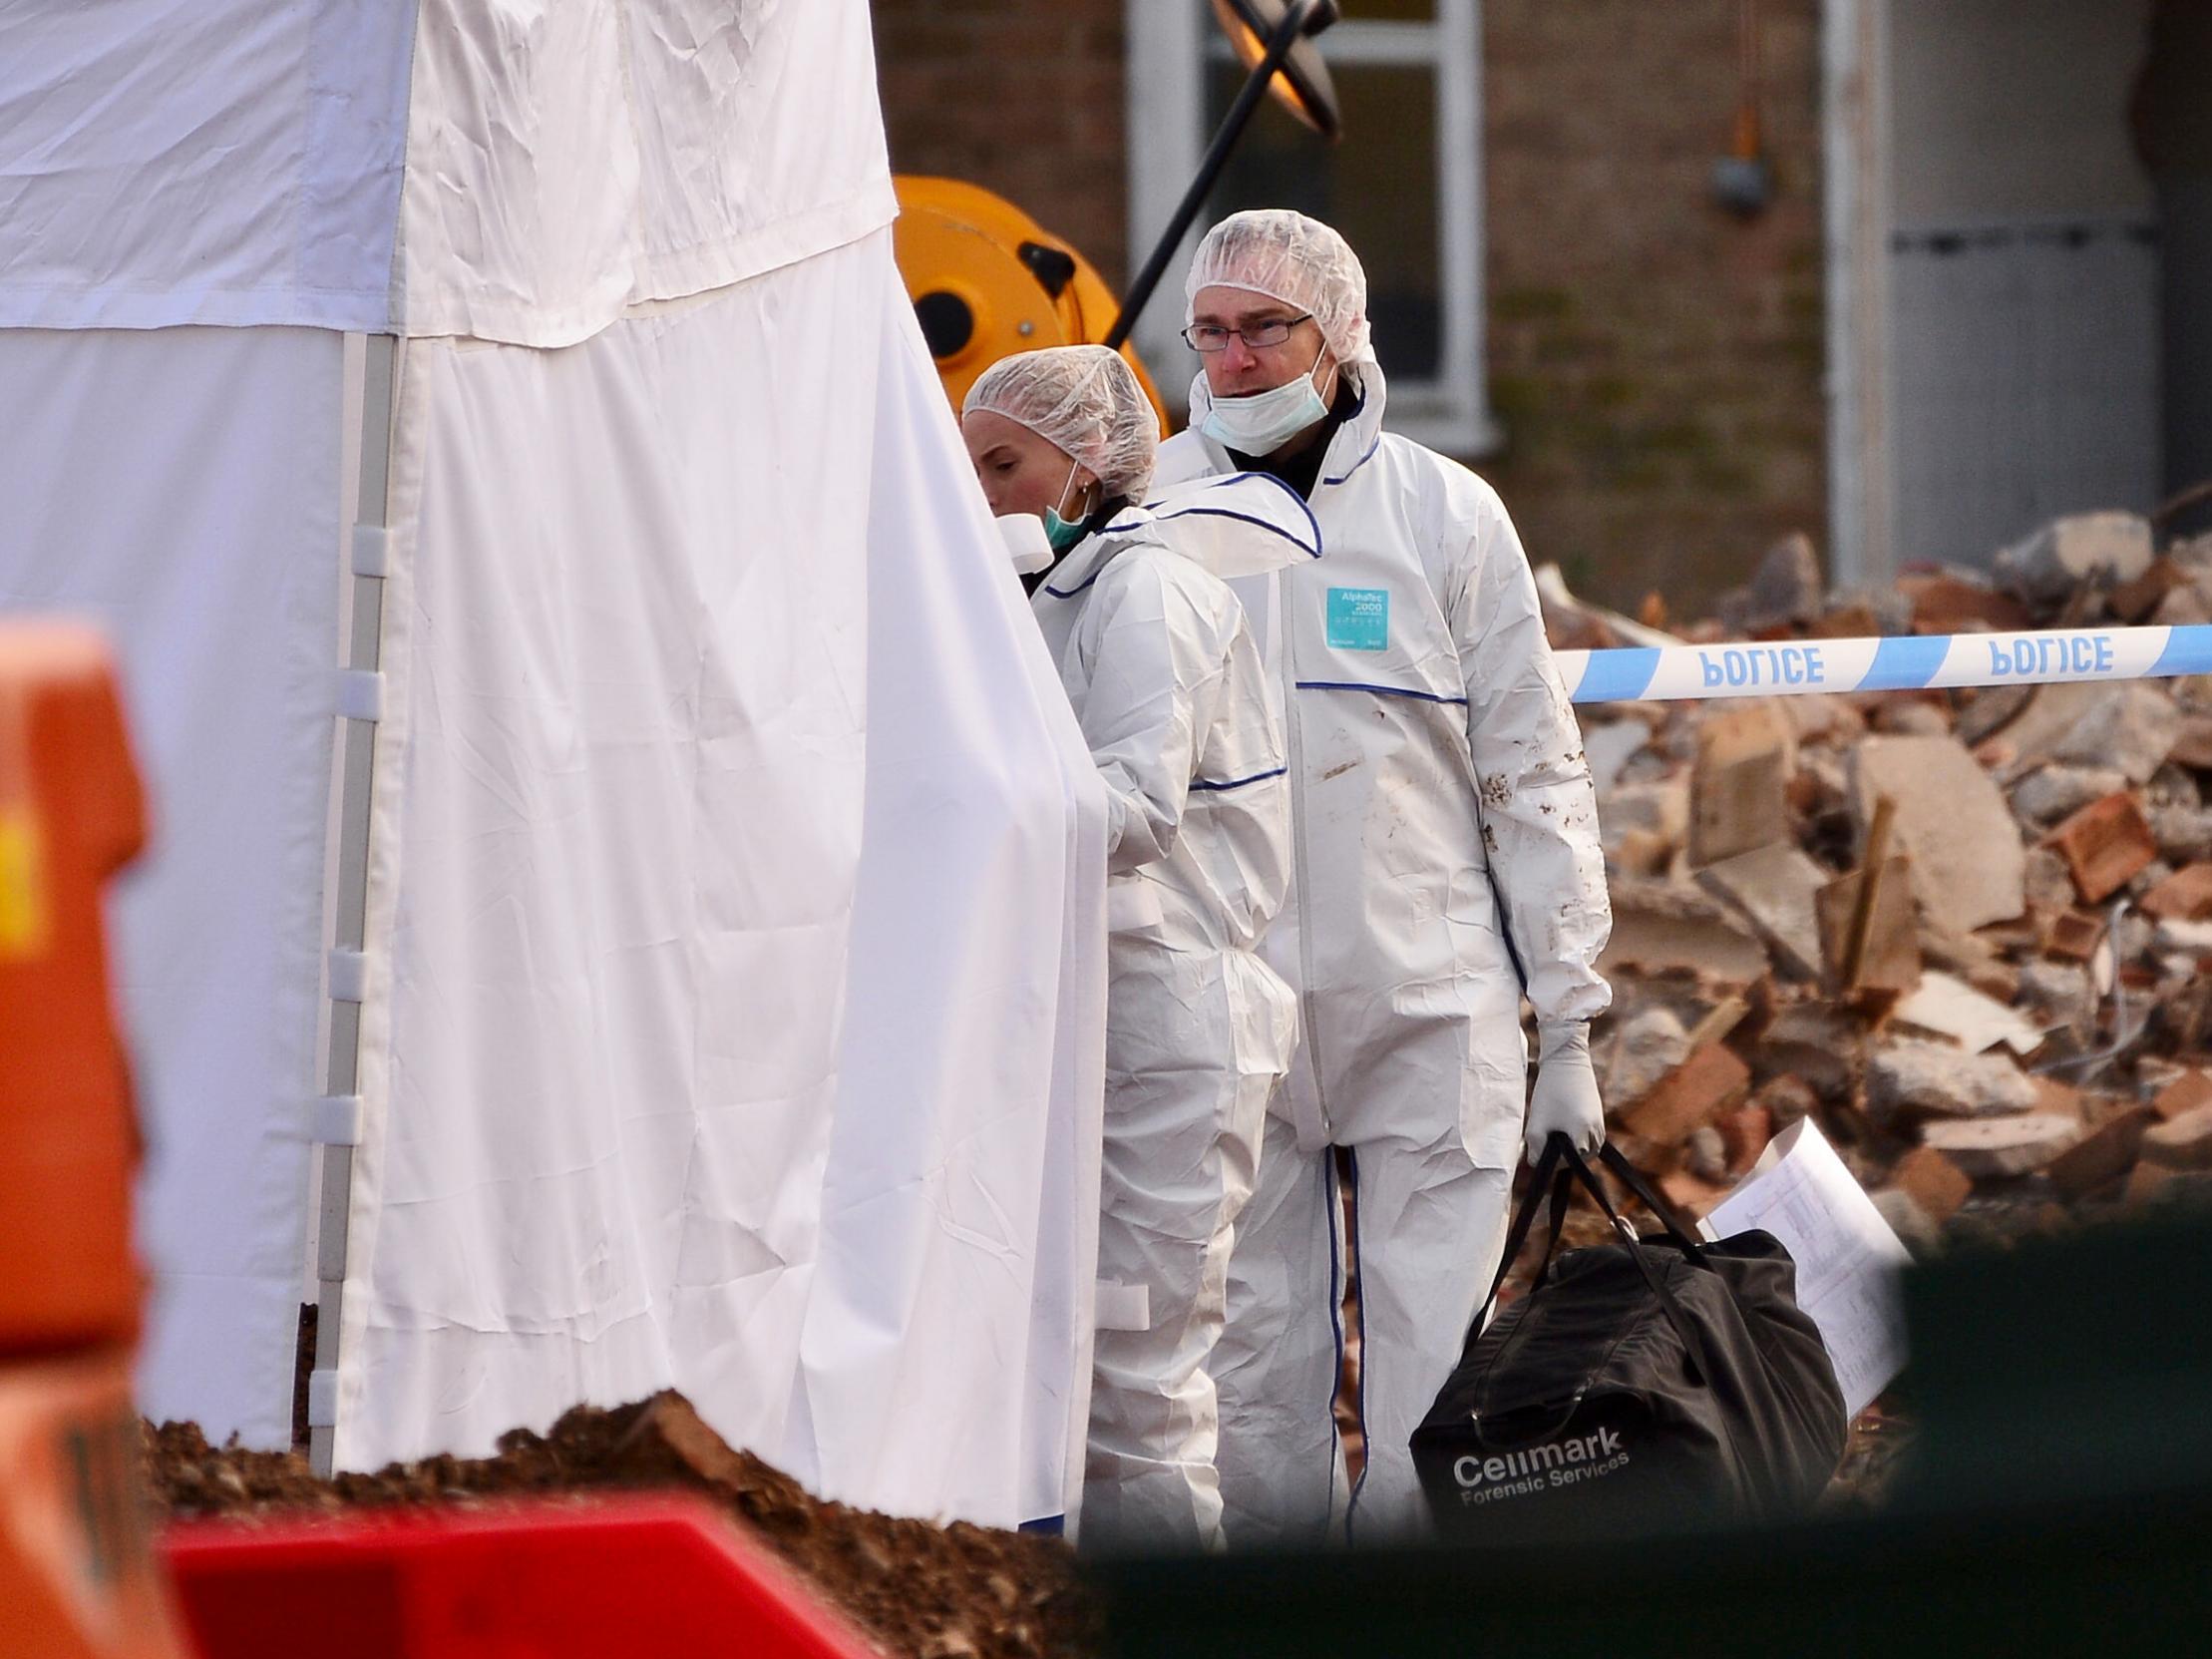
column 1293, row 731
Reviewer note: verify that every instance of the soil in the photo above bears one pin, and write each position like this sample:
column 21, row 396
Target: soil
column 916, row 1589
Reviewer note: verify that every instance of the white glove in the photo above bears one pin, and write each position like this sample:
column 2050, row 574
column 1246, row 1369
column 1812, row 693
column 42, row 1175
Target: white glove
column 1565, row 1098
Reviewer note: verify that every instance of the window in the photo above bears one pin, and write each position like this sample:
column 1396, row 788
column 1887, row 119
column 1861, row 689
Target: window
column 1404, row 185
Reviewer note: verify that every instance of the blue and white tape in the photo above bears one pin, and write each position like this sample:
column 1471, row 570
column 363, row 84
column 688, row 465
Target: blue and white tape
column 1784, row 669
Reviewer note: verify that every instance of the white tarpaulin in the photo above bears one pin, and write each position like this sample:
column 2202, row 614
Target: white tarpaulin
column 215, row 574
column 730, row 1019
column 935, row 1229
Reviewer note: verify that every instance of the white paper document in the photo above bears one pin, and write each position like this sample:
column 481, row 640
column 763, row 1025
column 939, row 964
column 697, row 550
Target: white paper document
column 1847, row 1257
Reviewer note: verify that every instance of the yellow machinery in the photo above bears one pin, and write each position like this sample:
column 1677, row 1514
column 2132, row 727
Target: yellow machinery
column 988, row 281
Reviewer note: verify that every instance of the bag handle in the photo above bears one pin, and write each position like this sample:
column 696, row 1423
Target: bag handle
column 1560, row 1156
column 1518, row 1234
column 1677, row 1227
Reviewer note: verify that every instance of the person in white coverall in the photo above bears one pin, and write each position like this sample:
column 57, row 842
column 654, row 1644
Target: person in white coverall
column 1446, row 860
column 1170, row 693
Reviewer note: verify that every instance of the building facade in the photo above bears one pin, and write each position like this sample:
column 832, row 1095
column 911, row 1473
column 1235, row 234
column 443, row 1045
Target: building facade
column 1964, row 307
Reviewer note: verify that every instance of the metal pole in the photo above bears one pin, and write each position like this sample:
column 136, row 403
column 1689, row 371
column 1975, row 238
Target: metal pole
column 337, row 1126
column 1232, row 128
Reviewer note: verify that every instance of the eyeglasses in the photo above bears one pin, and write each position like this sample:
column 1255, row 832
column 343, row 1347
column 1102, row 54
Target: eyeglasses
column 1210, row 337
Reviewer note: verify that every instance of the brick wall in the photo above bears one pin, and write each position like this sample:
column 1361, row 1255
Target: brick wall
column 1022, row 97
column 1657, row 364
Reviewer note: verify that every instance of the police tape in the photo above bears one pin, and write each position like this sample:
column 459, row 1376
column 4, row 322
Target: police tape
column 1667, row 673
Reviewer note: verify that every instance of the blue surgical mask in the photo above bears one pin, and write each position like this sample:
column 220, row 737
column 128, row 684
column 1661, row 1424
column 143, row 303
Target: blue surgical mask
column 1263, row 422
column 1058, row 531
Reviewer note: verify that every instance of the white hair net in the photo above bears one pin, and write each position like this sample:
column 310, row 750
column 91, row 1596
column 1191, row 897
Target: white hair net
column 1086, row 400
column 1287, row 257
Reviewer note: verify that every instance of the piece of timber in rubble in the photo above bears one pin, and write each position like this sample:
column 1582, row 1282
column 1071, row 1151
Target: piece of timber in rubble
column 1969, row 867
column 1890, row 957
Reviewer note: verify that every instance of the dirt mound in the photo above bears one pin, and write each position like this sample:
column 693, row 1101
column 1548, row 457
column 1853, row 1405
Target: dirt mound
column 931, row 1592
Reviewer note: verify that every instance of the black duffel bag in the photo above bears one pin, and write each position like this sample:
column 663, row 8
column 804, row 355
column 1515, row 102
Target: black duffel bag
column 1640, row 1386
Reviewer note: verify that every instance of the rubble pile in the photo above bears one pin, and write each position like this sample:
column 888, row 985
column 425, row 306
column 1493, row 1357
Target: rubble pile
column 915, row 1589
column 1960, row 929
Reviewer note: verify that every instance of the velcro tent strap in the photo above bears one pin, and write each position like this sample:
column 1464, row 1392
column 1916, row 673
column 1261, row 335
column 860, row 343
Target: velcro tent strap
column 359, row 695
column 1122, row 1306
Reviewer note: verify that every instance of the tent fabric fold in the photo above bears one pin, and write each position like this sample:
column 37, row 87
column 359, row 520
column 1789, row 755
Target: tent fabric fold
column 735, row 956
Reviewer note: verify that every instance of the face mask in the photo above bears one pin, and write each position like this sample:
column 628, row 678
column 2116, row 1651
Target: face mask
column 1026, row 542
column 1266, row 421
column 1058, row 531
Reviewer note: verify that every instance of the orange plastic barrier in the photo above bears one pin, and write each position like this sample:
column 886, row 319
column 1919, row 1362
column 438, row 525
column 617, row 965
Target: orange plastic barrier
column 643, row 1578
column 78, row 1579
column 71, row 815
column 77, row 1573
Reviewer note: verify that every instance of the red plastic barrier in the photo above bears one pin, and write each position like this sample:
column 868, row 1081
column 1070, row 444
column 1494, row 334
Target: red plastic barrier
column 612, row 1579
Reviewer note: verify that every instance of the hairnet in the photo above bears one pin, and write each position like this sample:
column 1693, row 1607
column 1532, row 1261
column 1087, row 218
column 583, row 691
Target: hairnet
column 1287, row 257
column 1084, row 399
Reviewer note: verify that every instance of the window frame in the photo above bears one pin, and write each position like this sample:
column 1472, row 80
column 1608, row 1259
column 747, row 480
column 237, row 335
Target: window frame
column 1170, row 45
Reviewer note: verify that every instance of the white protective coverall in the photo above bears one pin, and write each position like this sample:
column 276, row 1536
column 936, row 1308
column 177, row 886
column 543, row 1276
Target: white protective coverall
column 1169, row 691
column 1445, row 825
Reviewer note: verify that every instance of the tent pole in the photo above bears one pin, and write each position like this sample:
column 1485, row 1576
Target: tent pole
column 338, row 1113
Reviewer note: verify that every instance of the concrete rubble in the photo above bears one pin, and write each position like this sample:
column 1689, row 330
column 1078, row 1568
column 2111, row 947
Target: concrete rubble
column 2012, row 1033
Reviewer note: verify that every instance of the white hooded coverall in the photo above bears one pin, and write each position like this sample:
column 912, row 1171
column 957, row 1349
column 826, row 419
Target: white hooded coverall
column 1444, row 824
column 1169, row 691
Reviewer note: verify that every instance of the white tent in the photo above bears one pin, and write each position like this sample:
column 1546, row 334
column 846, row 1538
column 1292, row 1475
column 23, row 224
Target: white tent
column 620, row 840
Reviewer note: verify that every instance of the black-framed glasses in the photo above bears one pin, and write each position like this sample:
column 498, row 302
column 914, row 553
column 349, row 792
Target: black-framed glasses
column 1210, row 337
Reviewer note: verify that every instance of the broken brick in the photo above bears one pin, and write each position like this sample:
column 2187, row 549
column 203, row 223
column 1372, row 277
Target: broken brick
column 1946, row 604
column 2183, row 1096
column 2193, row 749
column 2184, row 896
column 1712, row 1081
column 1738, row 784
column 1689, row 1194
column 2183, row 1142
column 2133, row 601
column 1933, row 1181
column 2074, row 936
column 1745, row 1135
column 2101, row 1156
column 2106, row 845
column 2146, row 1182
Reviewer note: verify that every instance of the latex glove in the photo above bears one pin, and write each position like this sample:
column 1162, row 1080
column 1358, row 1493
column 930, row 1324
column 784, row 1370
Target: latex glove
column 1565, row 1098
